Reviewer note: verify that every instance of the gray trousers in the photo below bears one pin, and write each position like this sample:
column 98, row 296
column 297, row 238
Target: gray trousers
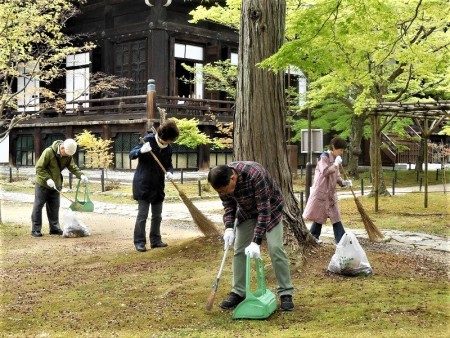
column 278, row 256
column 51, row 199
column 141, row 221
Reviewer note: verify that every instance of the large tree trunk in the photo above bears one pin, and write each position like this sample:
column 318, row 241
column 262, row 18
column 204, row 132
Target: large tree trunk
column 259, row 126
column 356, row 135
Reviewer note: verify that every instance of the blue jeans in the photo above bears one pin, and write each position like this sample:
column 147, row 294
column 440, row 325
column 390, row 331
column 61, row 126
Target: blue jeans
column 338, row 230
column 141, row 221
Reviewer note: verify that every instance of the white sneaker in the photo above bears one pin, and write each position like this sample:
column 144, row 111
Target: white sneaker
column 318, row 241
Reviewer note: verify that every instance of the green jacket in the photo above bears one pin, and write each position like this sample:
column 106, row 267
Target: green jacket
column 47, row 166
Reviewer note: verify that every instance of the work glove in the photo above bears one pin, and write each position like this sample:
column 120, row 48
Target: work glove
column 146, row 147
column 253, row 250
column 228, row 237
column 84, row 179
column 51, row 183
column 338, row 160
column 169, row 176
column 347, row 183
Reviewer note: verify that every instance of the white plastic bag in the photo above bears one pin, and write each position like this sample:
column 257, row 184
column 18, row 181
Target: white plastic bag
column 73, row 227
column 349, row 258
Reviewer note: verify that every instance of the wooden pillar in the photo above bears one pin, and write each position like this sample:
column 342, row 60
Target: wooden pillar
column 425, row 160
column 204, row 151
column 151, row 102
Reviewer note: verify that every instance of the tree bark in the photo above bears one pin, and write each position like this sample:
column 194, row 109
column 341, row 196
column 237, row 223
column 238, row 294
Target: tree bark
column 259, row 126
column 376, row 165
column 356, row 135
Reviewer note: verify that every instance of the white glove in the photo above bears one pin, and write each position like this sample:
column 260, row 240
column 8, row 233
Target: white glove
column 84, row 179
column 338, row 160
column 347, row 183
column 51, row 183
column 169, row 176
column 228, row 237
column 253, row 250
column 146, row 147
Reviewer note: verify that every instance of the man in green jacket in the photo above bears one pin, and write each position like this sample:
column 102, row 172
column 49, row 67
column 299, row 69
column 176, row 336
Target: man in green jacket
column 49, row 182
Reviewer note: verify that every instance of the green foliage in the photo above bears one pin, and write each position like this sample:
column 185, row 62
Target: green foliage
column 191, row 136
column 382, row 51
column 97, row 150
column 218, row 75
column 445, row 131
column 228, row 15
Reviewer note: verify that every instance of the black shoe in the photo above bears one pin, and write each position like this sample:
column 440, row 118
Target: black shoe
column 36, row 234
column 140, row 247
column 232, row 301
column 159, row 245
column 286, row 303
column 56, row 232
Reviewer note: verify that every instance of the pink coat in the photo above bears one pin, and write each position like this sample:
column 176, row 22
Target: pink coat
column 323, row 202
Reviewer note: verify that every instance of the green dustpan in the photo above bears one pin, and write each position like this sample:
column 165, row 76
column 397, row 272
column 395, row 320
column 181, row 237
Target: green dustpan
column 84, row 204
column 259, row 304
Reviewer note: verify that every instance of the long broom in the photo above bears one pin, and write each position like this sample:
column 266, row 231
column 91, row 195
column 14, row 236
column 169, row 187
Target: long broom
column 212, row 295
column 203, row 223
column 371, row 229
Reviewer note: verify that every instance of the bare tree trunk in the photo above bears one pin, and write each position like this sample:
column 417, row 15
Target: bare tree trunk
column 376, row 164
column 259, row 126
column 356, row 135
column 421, row 155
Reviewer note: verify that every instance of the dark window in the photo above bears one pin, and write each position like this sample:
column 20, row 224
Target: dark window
column 25, row 150
column 123, row 144
column 131, row 62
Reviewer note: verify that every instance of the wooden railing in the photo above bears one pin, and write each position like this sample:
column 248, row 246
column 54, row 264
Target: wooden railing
column 137, row 107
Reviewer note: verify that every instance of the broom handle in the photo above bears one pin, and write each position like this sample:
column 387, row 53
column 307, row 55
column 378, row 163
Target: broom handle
column 162, row 167
column 60, row 192
column 346, row 177
column 221, row 266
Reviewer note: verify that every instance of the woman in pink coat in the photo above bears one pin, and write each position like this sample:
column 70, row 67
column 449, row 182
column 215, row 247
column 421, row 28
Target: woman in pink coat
column 323, row 201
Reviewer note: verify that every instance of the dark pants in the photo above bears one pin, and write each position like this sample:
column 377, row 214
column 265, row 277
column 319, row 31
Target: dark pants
column 338, row 230
column 51, row 199
column 155, row 223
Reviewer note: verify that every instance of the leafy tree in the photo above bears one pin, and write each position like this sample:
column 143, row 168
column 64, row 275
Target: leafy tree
column 363, row 52
column 98, row 153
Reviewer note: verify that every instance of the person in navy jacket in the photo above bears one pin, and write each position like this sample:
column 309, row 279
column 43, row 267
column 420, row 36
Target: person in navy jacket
column 148, row 182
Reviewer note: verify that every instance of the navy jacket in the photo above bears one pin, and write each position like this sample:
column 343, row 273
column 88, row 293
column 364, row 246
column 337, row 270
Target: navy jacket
column 148, row 181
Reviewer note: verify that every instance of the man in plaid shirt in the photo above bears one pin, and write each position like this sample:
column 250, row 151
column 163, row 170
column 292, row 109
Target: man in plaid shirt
column 253, row 200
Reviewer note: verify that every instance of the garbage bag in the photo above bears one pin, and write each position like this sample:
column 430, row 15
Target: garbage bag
column 73, row 227
column 350, row 258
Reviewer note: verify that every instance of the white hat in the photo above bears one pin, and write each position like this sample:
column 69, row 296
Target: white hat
column 70, row 146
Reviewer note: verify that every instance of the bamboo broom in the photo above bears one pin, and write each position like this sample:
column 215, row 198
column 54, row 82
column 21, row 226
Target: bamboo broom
column 202, row 222
column 371, row 229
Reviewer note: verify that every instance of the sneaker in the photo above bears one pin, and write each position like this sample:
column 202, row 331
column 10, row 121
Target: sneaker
column 286, row 303
column 158, row 245
column 56, row 232
column 318, row 241
column 36, row 234
column 232, row 301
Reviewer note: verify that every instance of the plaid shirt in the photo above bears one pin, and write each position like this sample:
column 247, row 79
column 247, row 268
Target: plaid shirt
column 256, row 196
